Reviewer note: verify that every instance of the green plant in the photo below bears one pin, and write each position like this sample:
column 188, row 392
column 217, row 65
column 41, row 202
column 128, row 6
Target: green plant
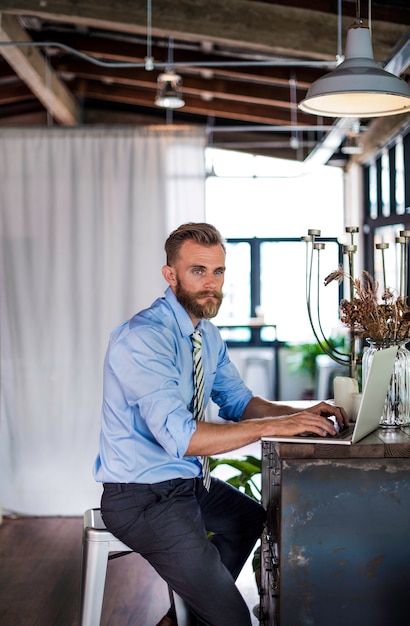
column 305, row 356
column 305, row 359
column 248, row 468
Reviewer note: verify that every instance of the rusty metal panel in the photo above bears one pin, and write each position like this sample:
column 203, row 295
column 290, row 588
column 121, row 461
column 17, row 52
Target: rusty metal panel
column 270, row 585
column 344, row 542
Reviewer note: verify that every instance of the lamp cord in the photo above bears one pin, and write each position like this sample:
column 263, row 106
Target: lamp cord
column 369, row 18
column 170, row 60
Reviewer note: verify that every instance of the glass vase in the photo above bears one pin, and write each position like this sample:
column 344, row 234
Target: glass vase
column 396, row 410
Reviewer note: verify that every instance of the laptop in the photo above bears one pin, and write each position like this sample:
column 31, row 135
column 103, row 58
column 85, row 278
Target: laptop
column 370, row 409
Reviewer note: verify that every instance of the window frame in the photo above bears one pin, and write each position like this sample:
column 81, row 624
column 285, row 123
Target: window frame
column 255, row 243
column 373, row 222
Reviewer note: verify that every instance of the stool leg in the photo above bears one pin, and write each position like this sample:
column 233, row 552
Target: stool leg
column 94, row 570
column 184, row 615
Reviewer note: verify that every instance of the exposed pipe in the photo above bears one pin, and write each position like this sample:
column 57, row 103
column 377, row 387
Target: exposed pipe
column 264, row 129
column 164, row 65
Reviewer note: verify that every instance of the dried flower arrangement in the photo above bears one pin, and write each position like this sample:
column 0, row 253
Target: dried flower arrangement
column 387, row 319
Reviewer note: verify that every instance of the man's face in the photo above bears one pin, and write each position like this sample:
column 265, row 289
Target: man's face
column 197, row 278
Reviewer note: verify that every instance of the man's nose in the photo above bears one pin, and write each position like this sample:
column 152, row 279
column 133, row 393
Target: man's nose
column 210, row 281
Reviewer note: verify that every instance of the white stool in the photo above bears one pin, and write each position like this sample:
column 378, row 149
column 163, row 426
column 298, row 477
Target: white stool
column 98, row 543
column 263, row 363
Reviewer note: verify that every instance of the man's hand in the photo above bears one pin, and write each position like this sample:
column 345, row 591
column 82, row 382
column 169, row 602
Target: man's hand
column 313, row 421
column 283, row 420
column 326, row 410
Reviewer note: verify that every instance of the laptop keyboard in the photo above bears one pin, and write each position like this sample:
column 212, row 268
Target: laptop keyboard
column 345, row 433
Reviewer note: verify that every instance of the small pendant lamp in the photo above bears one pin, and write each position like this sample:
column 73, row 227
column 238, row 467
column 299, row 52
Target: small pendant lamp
column 169, row 91
column 359, row 86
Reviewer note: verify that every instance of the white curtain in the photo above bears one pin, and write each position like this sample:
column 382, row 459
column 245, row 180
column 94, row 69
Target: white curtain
column 84, row 214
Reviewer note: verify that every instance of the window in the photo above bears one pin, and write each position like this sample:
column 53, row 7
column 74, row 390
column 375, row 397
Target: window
column 386, row 189
column 263, row 207
column 399, row 178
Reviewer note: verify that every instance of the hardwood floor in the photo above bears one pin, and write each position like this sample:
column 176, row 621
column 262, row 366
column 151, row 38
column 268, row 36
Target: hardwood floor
column 40, row 572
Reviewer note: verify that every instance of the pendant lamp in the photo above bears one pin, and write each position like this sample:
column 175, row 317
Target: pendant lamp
column 169, row 91
column 359, row 86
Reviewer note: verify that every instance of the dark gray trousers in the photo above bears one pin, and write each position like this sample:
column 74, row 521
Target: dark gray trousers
column 167, row 523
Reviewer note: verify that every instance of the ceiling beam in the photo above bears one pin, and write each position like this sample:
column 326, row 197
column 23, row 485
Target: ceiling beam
column 243, row 111
column 299, row 34
column 31, row 67
column 274, row 28
column 208, row 89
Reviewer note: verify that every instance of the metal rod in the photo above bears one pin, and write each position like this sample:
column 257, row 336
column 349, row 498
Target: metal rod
column 350, row 251
column 406, row 235
column 401, row 241
column 324, row 343
column 383, row 247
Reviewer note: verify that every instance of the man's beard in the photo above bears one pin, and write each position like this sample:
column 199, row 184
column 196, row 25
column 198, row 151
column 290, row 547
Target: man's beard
column 189, row 301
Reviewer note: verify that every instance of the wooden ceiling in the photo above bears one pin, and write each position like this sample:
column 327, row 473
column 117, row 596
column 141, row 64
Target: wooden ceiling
column 245, row 64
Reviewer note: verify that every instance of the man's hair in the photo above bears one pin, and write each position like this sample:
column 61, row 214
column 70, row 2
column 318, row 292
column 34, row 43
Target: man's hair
column 205, row 234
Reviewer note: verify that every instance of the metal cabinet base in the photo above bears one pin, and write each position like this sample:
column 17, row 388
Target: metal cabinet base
column 337, row 545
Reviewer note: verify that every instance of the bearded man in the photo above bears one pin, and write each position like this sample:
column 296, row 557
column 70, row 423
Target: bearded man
column 195, row 530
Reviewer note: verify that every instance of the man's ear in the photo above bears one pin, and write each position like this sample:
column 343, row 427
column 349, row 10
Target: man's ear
column 168, row 273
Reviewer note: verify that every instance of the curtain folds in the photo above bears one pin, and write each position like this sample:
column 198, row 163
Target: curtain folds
column 84, row 214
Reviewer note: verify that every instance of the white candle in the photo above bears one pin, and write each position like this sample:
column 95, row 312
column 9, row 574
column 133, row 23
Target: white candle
column 344, row 388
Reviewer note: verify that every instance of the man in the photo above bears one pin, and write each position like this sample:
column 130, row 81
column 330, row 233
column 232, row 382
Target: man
column 151, row 447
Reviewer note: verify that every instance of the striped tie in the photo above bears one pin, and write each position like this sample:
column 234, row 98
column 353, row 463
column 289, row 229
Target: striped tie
column 199, row 411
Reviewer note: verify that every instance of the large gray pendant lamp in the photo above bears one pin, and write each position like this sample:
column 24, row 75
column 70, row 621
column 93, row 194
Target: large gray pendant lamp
column 359, row 87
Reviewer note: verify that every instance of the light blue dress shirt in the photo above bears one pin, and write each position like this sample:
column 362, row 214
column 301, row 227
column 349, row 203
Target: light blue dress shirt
column 147, row 419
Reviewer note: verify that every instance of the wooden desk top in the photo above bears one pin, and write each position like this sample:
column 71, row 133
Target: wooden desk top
column 383, row 443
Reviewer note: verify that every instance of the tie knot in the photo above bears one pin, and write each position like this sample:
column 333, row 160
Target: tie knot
column 197, row 338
